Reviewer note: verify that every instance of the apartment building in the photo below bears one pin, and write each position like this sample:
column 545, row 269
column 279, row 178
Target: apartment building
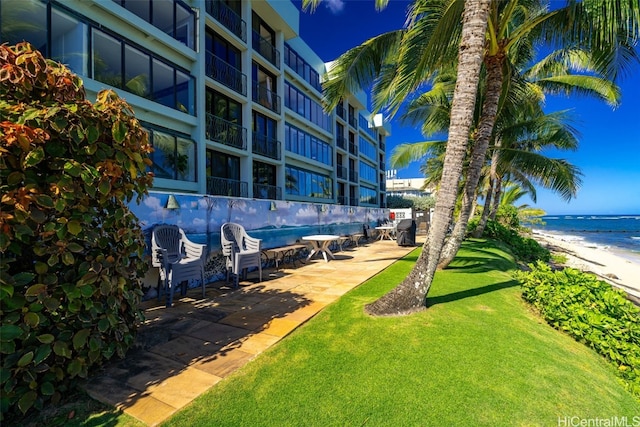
column 228, row 91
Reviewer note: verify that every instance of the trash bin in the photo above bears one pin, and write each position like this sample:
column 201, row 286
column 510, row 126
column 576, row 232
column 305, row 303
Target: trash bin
column 406, row 232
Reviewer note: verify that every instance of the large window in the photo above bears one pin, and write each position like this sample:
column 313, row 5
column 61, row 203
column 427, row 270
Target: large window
column 224, row 50
column 224, row 107
column 120, row 64
column 222, row 165
column 24, row 20
column 302, row 143
column 368, row 172
column 367, row 148
column 368, row 196
column 171, row 16
column 69, row 41
column 302, row 182
column 174, row 155
column 298, row 102
column 301, row 67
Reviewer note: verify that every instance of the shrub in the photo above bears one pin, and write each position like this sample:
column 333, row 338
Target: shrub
column 591, row 311
column 524, row 248
column 70, row 249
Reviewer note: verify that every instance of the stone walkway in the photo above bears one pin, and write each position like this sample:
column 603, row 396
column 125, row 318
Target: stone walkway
column 184, row 350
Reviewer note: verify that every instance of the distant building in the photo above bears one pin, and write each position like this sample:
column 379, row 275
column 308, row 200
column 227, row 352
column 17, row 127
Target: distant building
column 228, row 92
column 408, row 187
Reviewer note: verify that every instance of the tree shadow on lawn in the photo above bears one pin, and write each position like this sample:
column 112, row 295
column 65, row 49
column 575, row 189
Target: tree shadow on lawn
column 468, row 293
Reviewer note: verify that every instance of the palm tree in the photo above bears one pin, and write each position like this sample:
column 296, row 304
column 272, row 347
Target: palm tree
column 414, row 55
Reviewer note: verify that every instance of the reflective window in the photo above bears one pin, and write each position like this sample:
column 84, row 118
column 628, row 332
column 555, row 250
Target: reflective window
column 302, row 182
column 185, row 88
column 163, row 84
column 136, row 71
column 107, row 59
column 14, row 14
column 174, row 157
column 69, row 41
column 162, row 17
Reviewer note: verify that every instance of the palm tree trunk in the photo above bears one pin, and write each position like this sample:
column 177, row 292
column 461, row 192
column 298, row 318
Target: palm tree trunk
column 493, row 174
column 478, row 157
column 496, row 199
column 410, row 295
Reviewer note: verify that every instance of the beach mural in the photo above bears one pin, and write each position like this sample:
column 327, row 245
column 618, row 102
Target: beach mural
column 276, row 222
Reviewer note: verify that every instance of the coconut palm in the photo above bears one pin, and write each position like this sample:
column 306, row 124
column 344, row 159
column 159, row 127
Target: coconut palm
column 398, row 63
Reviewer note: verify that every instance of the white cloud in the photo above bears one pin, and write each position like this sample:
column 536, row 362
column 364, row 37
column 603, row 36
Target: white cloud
column 335, row 6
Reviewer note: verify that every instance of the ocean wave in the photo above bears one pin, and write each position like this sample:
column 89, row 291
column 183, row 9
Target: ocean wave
column 635, row 237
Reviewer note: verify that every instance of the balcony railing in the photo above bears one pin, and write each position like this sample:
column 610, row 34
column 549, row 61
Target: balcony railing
column 266, row 49
column 341, row 172
column 341, row 142
column 227, row 187
column 225, row 73
column 266, row 97
column 382, row 146
column 342, row 200
column 226, row 132
column 264, row 191
column 265, row 146
column 353, row 122
column 383, row 186
column 382, row 166
column 353, row 176
column 228, row 18
column 353, row 148
column 353, row 201
column 340, row 111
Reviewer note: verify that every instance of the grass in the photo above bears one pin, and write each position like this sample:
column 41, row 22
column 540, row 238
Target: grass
column 477, row 356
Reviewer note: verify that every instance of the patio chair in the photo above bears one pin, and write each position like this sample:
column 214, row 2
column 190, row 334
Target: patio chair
column 178, row 259
column 241, row 251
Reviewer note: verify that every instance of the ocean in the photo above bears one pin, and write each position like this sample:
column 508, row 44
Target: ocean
column 615, row 233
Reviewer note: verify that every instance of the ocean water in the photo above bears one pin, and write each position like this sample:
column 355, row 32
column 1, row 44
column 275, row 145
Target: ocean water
column 615, row 233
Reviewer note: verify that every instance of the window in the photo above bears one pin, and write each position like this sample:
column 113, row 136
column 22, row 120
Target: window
column 224, row 50
column 301, row 67
column 69, row 41
column 174, row 155
column 137, row 71
column 223, row 107
column 302, row 182
column 163, row 90
column 107, row 59
column 367, row 148
column 368, row 196
column 300, row 142
column 368, row 172
column 223, row 165
column 298, row 102
column 14, row 14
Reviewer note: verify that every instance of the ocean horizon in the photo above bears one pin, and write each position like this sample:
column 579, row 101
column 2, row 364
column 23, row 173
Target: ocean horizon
column 619, row 234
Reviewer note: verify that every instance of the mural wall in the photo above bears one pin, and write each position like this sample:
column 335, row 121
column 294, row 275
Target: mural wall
column 277, row 223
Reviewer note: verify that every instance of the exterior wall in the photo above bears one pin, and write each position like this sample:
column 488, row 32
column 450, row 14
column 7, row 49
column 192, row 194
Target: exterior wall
column 277, row 223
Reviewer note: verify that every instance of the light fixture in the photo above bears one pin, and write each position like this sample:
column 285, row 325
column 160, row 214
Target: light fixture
column 172, row 202
column 273, row 207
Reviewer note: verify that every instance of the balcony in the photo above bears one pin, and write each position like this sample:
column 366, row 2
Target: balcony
column 264, row 191
column 228, row 18
column 353, row 122
column 353, row 176
column 225, row 73
column 383, row 186
column 226, row 132
column 340, row 111
column 265, row 146
column 227, row 187
column 382, row 166
column 266, row 49
column 382, row 146
column 341, row 142
column 353, row 148
column 266, row 97
column 341, row 172
column 353, row 201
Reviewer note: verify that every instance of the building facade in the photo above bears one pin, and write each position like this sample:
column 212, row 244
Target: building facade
column 228, row 92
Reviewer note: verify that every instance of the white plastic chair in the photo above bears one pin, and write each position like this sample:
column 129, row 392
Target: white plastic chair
column 240, row 250
column 177, row 257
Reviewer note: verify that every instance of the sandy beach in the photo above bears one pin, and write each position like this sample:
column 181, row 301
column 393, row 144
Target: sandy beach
column 614, row 268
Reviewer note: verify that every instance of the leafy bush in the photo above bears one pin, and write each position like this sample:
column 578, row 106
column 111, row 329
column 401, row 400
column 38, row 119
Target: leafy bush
column 70, row 249
column 591, row 311
column 524, row 248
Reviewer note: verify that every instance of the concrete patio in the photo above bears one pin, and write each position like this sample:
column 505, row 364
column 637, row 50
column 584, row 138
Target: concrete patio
column 184, row 350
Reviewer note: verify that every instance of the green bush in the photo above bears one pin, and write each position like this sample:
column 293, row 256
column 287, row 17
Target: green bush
column 591, row 311
column 70, row 249
column 524, row 248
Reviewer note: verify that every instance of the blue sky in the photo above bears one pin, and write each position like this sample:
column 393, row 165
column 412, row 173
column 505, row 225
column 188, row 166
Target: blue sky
column 609, row 151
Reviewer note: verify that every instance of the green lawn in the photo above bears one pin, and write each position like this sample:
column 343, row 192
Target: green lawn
column 477, row 356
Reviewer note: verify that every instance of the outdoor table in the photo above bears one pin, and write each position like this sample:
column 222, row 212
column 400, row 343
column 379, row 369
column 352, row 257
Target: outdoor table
column 385, row 232
column 320, row 244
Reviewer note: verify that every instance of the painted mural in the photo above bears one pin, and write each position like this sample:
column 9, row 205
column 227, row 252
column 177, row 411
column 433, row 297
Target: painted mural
column 276, row 222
